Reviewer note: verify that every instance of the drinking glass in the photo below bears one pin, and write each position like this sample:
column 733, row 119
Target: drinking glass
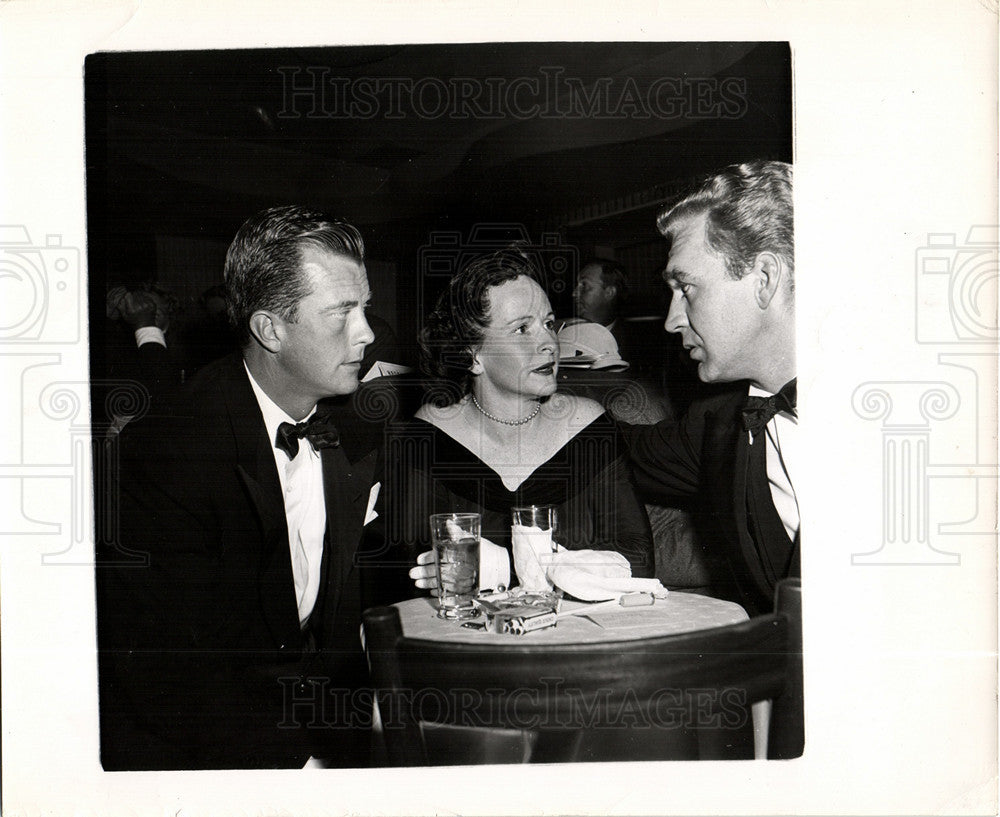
column 455, row 539
column 532, row 533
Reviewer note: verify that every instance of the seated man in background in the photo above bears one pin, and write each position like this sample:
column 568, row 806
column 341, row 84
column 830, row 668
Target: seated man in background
column 600, row 292
column 138, row 357
column 230, row 597
column 601, row 296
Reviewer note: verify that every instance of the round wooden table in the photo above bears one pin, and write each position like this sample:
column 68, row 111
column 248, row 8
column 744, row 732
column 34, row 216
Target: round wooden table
column 677, row 613
column 601, row 624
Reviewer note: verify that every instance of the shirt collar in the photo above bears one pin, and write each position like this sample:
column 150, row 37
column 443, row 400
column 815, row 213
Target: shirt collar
column 274, row 415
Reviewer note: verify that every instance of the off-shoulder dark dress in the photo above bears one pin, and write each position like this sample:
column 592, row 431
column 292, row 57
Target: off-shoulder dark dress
column 587, row 479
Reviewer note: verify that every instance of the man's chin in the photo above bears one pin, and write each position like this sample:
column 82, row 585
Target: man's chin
column 346, row 385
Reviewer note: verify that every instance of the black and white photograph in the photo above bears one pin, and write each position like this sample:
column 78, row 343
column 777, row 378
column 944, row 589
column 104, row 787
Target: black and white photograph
column 534, row 269
column 420, row 414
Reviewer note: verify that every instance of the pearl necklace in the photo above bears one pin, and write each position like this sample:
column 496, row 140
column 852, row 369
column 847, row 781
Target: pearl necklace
column 521, row 422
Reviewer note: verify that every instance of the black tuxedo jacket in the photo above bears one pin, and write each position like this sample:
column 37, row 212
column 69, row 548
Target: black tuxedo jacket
column 704, row 458
column 203, row 663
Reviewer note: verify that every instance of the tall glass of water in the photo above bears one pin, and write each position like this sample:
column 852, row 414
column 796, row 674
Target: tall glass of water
column 455, row 538
column 533, row 530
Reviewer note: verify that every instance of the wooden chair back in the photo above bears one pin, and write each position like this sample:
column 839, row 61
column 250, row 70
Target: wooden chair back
column 786, row 736
column 683, row 696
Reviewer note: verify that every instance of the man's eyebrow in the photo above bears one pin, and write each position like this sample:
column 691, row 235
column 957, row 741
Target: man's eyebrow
column 346, row 304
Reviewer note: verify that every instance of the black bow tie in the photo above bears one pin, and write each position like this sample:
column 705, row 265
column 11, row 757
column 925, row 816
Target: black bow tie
column 319, row 431
column 759, row 410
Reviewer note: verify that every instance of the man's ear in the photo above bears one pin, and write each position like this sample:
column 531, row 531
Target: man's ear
column 266, row 329
column 611, row 292
column 768, row 274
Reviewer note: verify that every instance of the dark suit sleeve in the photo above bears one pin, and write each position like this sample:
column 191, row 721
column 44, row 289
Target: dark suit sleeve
column 620, row 521
column 665, row 458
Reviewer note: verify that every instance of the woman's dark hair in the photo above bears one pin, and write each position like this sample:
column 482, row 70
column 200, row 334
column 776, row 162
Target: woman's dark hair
column 453, row 330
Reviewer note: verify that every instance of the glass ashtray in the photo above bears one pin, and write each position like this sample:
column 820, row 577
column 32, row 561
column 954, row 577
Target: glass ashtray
column 520, row 611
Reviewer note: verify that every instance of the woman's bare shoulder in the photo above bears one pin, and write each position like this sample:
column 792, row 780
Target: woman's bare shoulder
column 578, row 411
column 446, row 418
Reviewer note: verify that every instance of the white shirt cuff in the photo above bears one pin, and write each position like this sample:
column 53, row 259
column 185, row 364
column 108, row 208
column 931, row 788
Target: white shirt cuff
column 494, row 566
column 150, row 334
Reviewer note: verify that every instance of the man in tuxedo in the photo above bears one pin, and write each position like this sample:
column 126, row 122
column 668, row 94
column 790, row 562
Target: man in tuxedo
column 731, row 272
column 230, row 596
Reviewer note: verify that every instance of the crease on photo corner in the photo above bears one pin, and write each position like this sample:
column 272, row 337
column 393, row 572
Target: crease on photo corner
column 133, row 11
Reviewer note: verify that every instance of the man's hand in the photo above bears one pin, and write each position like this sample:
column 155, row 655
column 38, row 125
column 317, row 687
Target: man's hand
column 139, row 308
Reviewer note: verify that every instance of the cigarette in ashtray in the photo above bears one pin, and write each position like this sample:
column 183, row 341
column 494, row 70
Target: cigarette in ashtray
column 455, row 531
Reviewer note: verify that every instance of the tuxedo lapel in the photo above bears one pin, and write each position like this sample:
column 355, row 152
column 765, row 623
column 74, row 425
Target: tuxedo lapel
column 753, row 472
column 725, row 458
column 346, row 487
column 258, row 474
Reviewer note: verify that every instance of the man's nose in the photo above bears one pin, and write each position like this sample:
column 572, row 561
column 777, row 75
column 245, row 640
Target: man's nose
column 676, row 315
column 365, row 336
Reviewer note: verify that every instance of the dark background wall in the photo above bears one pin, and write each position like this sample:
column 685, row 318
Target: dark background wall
column 435, row 151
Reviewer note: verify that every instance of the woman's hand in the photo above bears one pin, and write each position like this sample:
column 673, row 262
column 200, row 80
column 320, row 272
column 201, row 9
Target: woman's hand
column 494, row 568
column 424, row 575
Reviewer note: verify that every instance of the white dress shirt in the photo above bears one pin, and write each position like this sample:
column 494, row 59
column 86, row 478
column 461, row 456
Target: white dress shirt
column 305, row 507
column 782, row 450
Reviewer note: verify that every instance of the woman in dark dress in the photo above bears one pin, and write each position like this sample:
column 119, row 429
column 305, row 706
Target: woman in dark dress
column 495, row 433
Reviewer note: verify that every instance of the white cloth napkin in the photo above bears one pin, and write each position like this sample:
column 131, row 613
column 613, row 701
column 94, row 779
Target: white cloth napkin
column 595, row 575
column 529, row 547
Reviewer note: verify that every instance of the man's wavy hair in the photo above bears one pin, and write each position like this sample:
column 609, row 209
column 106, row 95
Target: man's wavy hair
column 264, row 262
column 455, row 327
column 749, row 211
